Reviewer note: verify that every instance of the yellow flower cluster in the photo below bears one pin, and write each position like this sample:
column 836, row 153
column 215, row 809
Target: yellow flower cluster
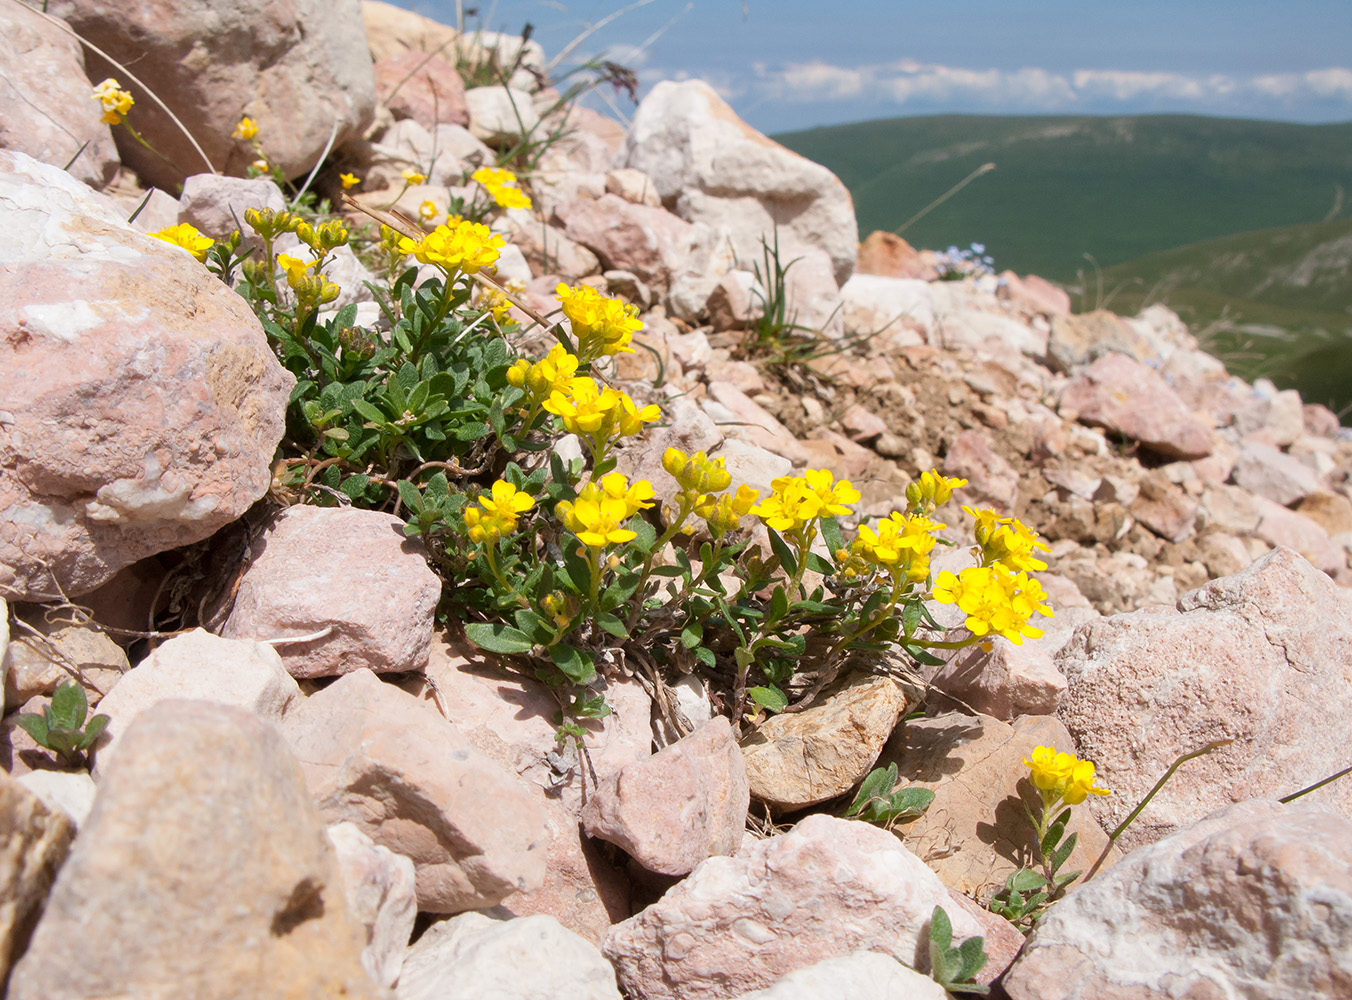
column 700, row 477
column 601, row 415
column 601, row 325
column 901, row 545
column 312, row 290
column 116, row 101
column 932, row 490
column 598, row 514
column 724, row 513
column 1007, row 541
column 554, row 373
column 1061, row 775
column 456, row 245
column 796, row 502
column 246, row 129
column 995, row 599
column 502, row 187
column 499, row 513
column 412, row 176
column 186, row 236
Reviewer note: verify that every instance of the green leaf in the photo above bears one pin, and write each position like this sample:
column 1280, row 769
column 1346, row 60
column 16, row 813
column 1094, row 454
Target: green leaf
column 819, row 565
column 921, row 655
column 1025, row 880
column 93, row 731
column 830, row 528
column 769, row 698
column 533, row 625
column 410, row 494
column 779, row 603
column 692, row 635
column 368, row 410
column 1062, row 853
column 69, row 707
column 1051, row 838
column 908, row 801
column 1066, row 879
column 613, row 624
column 911, row 613
column 705, row 655
column 355, row 485
column 35, row 726
column 782, row 550
column 499, row 638
column 973, row 957
column 576, row 665
column 941, row 932
column 645, row 535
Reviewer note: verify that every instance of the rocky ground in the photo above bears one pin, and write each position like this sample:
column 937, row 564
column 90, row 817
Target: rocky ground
column 319, row 792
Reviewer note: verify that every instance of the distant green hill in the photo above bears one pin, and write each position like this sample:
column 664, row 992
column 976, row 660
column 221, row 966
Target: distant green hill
column 1115, row 188
column 1274, row 302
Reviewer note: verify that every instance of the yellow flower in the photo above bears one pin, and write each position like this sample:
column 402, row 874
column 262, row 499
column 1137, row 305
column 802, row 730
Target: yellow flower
column 116, row 101
column 601, row 325
column 428, row 210
column 791, row 506
column 510, row 197
column 295, row 268
column 901, row 543
column 186, row 236
column 833, row 497
column 601, row 415
column 598, row 514
column 349, row 180
column 456, row 245
column 493, row 301
column 724, row 513
column 491, row 177
column 260, row 165
column 995, row 599
column 554, row 373
column 1060, row 775
column 499, row 513
column 1007, row 540
column 412, row 176
column 696, row 473
column 246, row 129
column 932, row 490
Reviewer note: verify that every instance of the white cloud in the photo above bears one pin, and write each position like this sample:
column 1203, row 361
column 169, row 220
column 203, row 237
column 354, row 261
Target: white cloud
column 820, row 81
column 1126, row 85
column 910, row 82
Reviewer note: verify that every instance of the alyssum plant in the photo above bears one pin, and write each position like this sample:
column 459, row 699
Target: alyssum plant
column 567, row 566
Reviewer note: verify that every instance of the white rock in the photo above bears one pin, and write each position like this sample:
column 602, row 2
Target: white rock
column 500, row 115
column 379, row 887
column 72, row 792
column 862, row 975
column 714, row 168
column 474, row 957
column 202, row 667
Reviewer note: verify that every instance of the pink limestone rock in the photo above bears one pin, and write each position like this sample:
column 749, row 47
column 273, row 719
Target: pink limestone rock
column 140, row 403
column 1262, row 658
column 377, row 757
column 1123, row 395
column 202, row 871
column 672, row 810
column 1254, row 900
column 827, row 888
column 351, row 572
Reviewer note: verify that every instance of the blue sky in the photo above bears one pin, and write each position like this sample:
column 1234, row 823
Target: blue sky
column 789, row 64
